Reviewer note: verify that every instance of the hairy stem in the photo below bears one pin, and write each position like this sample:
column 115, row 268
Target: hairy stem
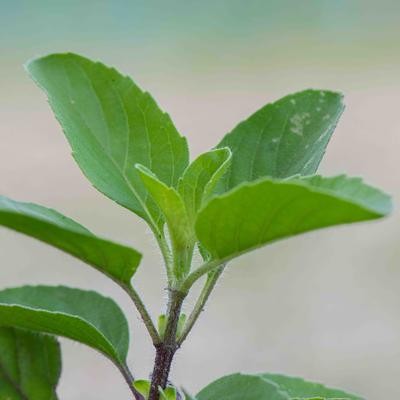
column 166, row 350
column 198, row 273
column 201, row 301
column 146, row 318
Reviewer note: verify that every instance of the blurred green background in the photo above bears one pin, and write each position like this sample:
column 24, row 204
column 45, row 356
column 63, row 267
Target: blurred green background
column 324, row 305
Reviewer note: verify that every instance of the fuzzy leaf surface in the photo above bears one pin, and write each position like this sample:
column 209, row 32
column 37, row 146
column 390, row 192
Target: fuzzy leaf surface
column 201, row 177
column 173, row 209
column 117, row 261
column 80, row 315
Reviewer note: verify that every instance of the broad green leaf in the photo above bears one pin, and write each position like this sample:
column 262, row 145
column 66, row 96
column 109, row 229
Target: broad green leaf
column 117, row 261
column 266, row 210
column 111, row 125
column 298, row 388
column 200, row 178
column 241, row 387
column 174, row 212
column 284, row 138
column 80, row 315
column 30, row 365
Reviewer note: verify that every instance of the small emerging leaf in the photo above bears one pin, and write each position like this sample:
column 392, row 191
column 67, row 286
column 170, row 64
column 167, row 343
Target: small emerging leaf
column 170, row 203
column 30, row 365
column 80, row 315
column 298, row 388
column 266, row 210
column 168, row 393
column 162, row 324
column 117, row 261
column 143, row 387
column 284, row 138
column 111, row 125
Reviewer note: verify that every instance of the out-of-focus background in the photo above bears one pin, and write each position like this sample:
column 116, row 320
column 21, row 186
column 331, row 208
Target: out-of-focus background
column 324, row 305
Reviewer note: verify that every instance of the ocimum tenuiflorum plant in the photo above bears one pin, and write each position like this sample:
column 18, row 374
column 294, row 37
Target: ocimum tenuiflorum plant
column 257, row 185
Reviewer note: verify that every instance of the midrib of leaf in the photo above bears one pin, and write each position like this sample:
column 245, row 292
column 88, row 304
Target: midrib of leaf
column 107, row 152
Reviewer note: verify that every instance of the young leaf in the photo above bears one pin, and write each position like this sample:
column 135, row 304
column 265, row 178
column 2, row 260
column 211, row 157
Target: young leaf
column 143, row 387
column 266, row 210
column 30, row 365
column 201, row 177
column 170, row 203
column 111, row 124
column 242, row 387
column 49, row 226
column 168, row 393
column 80, row 315
column 299, row 388
column 284, row 138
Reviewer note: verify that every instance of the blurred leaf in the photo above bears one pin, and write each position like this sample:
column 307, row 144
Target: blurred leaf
column 30, row 365
column 143, row 387
column 298, row 388
column 80, row 315
column 241, row 387
column 168, row 394
column 174, row 212
column 111, row 124
column 266, row 210
column 49, row 226
column 201, row 177
column 284, row 138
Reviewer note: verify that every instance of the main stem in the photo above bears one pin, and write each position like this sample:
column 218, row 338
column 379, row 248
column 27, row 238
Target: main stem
column 166, row 349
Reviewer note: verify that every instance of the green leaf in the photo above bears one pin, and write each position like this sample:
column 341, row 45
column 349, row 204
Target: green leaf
column 284, row 138
column 168, row 394
column 111, row 124
column 174, row 212
column 266, row 210
column 30, row 365
column 143, row 387
column 49, row 226
column 80, row 315
column 241, row 387
column 200, row 178
column 298, row 388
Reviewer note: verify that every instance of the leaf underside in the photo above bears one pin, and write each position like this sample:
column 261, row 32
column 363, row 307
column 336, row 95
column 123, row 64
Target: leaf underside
column 30, row 365
column 80, row 315
column 117, row 261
